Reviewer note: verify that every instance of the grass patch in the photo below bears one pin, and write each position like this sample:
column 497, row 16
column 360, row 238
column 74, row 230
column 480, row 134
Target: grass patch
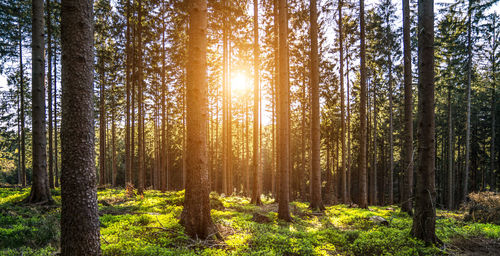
column 149, row 225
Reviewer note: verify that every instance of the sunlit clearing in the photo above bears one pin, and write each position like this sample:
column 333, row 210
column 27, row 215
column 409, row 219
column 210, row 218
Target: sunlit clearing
column 240, row 83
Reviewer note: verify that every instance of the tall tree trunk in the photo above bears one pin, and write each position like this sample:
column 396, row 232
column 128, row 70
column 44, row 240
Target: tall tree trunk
column 373, row 178
column 164, row 120
column 113, row 138
column 493, row 112
column 79, row 214
column 407, row 192
column 450, row 154
column 102, row 124
column 343, row 181
column 23, row 131
column 140, row 105
column 316, row 201
column 128, row 77
column 256, row 191
column 196, row 214
column 49, row 93
column 40, row 192
column 362, row 109
column 424, row 220
column 303, row 177
column 348, row 180
column 56, row 168
column 467, row 124
column 225, row 100
column 391, row 137
column 283, row 113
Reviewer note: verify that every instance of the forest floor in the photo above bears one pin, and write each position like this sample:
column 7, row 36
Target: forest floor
column 149, row 225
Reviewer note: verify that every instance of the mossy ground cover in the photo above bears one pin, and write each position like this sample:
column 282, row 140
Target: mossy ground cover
column 149, row 225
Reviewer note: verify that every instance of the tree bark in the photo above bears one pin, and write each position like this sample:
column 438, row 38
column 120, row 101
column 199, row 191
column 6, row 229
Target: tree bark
column 343, row 181
column 362, row 109
column 467, row 124
column 424, row 220
column 450, row 153
column 256, row 191
column 79, row 213
column 316, row 201
column 23, row 131
column 49, row 93
column 407, row 192
column 283, row 112
column 196, row 213
column 40, row 192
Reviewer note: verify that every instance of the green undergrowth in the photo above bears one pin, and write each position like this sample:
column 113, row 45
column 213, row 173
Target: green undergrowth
column 149, row 225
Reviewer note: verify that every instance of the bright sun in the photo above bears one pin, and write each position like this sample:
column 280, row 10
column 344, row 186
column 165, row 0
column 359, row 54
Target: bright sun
column 240, row 82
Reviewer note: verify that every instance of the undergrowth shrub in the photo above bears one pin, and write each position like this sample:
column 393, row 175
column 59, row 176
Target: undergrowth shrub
column 483, row 207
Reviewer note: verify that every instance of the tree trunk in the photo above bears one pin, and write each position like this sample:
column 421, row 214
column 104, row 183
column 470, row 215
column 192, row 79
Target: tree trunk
column 348, row 180
column 56, row 168
column 196, row 214
column 283, row 113
column 316, row 201
column 40, row 192
column 362, row 109
column 493, row 113
column 113, row 138
column 424, row 220
column 407, row 192
column 128, row 77
column 391, row 133
column 450, row 154
column 102, row 124
column 49, row 93
column 343, row 181
column 23, row 131
column 79, row 213
column 256, row 191
column 140, row 105
column 467, row 124
column 373, row 178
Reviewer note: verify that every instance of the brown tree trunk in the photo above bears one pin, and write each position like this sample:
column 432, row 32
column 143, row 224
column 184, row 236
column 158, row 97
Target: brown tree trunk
column 424, row 220
column 467, row 124
column 407, row 192
column 128, row 77
column 450, row 154
column 49, row 94
column 316, row 201
column 349, row 180
column 102, row 125
column 343, row 180
column 256, row 191
column 79, row 213
column 113, row 138
column 140, row 106
column 373, row 178
column 22, row 121
column 283, row 113
column 196, row 214
column 40, row 192
column 362, row 109
column 56, row 168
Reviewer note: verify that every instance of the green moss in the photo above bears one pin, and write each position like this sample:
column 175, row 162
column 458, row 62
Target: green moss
column 149, row 225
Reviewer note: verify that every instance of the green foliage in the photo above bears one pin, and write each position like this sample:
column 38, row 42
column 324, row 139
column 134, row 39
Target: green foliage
column 149, row 225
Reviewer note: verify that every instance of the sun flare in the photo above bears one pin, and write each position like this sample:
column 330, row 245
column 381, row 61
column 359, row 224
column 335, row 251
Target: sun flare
column 240, row 83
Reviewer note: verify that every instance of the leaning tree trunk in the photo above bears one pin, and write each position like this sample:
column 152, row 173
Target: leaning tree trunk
column 424, row 220
column 406, row 201
column 283, row 112
column 79, row 212
column 196, row 217
column 316, row 201
column 256, row 95
column 362, row 109
column 40, row 192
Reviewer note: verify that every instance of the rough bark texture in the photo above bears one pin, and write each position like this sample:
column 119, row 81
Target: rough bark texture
column 49, row 95
column 467, row 124
column 22, row 180
column 283, row 112
column 40, row 192
column 196, row 214
column 424, row 220
column 343, row 181
column 407, row 191
column 362, row 109
column 79, row 213
column 256, row 191
column 316, row 201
